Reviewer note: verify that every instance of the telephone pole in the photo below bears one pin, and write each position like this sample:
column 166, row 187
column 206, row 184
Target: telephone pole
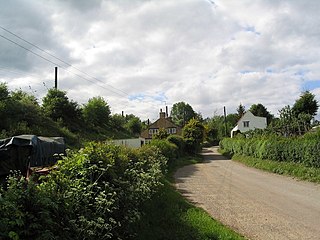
column 225, row 120
column 56, row 78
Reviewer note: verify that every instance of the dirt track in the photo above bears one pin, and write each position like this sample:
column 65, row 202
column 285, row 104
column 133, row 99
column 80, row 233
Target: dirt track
column 257, row 204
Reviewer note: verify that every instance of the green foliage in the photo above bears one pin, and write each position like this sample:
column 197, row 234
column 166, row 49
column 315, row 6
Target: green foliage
column 96, row 112
column 57, row 105
column 306, row 104
column 168, row 149
column 193, row 134
column 21, row 113
column 181, row 113
column 162, row 134
column 261, row 111
column 4, row 91
column 241, row 110
column 290, row 124
column 133, row 125
column 25, row 212
column 179, row 142
column 117, row 122
column 304, row 150
column 296, row 170
column 95, row 193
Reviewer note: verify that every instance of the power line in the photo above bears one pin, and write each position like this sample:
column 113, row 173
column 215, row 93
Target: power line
column 54, row 63
column 117, row 91
column 46, row 59
column 34, row 46
column 59, row 59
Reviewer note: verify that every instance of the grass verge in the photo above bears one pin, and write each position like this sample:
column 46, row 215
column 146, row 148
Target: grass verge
column 296, row 170
column 169, row 216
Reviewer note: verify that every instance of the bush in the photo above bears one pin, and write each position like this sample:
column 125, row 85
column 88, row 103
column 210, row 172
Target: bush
column 179, row 142
column 96, row 193
column 168, row 149
column 304, row 149
column 193, row 134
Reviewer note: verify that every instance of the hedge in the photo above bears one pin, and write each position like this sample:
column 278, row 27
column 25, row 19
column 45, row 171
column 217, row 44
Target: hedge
column 95, row 193
column 304, row 150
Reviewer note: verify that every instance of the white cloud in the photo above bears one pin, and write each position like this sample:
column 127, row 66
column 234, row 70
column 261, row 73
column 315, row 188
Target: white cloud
column 152, row 52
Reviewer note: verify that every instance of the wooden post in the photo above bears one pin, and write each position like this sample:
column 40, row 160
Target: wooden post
column 56, row 77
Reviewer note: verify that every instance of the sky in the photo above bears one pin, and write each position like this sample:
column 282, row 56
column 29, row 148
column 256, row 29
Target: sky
column 143, row 55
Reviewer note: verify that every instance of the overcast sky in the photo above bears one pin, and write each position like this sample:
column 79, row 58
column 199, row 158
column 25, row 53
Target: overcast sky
column 141, row 55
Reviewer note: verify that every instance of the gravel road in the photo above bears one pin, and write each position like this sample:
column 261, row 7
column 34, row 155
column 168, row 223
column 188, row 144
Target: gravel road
column 257, row 204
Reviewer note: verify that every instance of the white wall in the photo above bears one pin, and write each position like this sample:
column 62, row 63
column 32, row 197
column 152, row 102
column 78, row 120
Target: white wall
column 254, row 122
column 132, row 143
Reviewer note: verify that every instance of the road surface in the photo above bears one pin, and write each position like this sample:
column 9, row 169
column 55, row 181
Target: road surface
column 257, row 204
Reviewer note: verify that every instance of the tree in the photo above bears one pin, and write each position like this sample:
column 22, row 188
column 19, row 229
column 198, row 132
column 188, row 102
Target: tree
column 4, row 97
column 57, row 106
column 241, row 110
column 306, row 104
column 193, row 133
column 96, row 112
column 232, row 119
column 162, row 134
column 117, row 121
column 4, row 91
column 261, row 111
column 291, row 125
column 181, row 113
column 134, row 125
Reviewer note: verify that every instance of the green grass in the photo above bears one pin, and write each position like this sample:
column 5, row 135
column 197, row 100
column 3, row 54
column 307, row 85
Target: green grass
column 169, row 216
column 296, row 170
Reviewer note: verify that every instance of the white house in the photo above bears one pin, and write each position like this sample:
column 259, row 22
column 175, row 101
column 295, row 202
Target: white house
column 249, row 122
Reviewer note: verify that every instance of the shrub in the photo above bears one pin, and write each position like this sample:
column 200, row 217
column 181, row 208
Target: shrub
column 193, row 134
column 304, row 149
column 168, row 149
column 95, row 193
column 179, row 142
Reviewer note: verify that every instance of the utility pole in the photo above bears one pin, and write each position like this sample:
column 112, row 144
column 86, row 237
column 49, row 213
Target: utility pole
column 56, row 78
column 225, row 120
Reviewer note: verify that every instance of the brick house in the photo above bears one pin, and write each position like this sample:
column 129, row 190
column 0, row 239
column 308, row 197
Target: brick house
column 163, row 122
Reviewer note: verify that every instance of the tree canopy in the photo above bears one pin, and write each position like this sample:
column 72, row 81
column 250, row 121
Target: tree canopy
column 57, row 106
column 261, row 111
column 181, row 113
column 96, row 112
column 241, row 110
column 306, row 104
column 193, row 133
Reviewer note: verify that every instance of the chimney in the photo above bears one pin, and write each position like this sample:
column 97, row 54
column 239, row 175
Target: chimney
column 162, row 114
column 167, row 115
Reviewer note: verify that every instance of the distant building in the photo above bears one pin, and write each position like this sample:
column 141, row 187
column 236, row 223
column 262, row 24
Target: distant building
column 131, row 143
column 249, row 122
column 164, row 122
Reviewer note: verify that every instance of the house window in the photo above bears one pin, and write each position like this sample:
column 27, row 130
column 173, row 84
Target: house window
column 153, row 131
column 173, row 130
column 246, row 124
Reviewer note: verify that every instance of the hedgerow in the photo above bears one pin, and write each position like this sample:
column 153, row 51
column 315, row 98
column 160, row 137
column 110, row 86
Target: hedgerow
column 305, row 149
column 95, row 193
column 168, row 149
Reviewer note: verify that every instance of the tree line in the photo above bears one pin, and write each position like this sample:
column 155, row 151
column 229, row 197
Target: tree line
column 21, row 113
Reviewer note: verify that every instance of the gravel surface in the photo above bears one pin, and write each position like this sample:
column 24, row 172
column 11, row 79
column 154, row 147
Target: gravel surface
column 257, row 204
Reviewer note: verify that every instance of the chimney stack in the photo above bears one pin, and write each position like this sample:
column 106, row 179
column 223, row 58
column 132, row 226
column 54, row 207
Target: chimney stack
column 162, row 114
